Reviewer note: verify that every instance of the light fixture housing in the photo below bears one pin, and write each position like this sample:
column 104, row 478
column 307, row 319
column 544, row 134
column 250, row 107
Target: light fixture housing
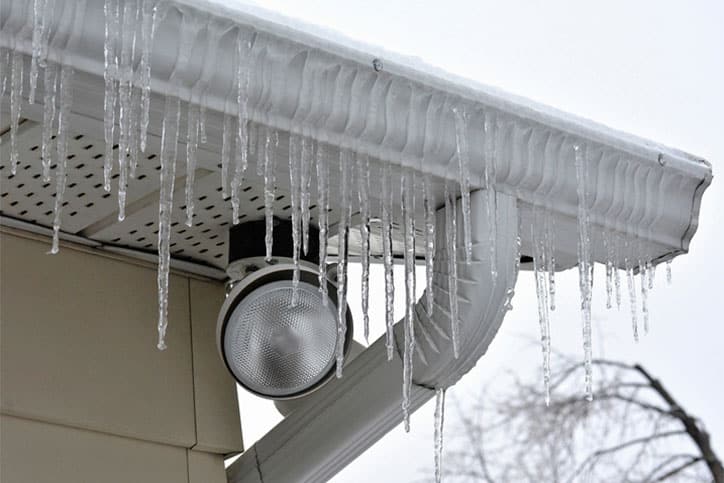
column 272, row 347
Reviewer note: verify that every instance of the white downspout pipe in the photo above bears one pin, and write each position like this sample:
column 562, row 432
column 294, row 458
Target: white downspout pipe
column 337, row 423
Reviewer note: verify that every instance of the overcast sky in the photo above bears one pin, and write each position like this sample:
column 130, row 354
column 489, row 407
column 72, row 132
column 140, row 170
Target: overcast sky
column 651, row 68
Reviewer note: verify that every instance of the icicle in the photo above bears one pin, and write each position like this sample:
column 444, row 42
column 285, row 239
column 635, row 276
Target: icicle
column 363, row 188
column 608, row 247
column 16, row 99
column 226, row 142
column 150, row 15
column 39, row 25
column 169, row 141
column 617, row 272
column 643, row 274
column 192, row 146
column 6, row 67
column 125, row 79
column 306, row 179
column 489, row 175
column 550, row 259
column 510, row 291
column 388, row 260
column 66, row 99
column 651, row 275
column 269, row 190
column 408, row 217
column 202, row 124
column 429, row 243
column 295, row 153
column 323, row 217
column 439, row 425
column 135, row 123
column 451, row 242
column 243, row 50
column 542, row 291
column 343, row 238
column 632, row 299
column 668, row 272
column 461, row 146
column 111, row 9
column 49, row 90
column 585, row 267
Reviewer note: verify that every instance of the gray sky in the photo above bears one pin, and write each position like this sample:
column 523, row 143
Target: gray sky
column 651, row 68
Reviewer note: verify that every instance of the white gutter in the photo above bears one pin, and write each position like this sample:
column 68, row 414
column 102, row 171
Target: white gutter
column 310, row 81
column 345, row 417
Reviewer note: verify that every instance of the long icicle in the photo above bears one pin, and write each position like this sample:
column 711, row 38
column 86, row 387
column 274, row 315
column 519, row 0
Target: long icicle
column 323, row 217
column 192, row 147
column 16, row 100
column 550, row 256
column 584, row 262
column 39, row 26
column 269, row 189
column 66, row 100
column 363, row 189
column 542, row 292
column 388, row 260
column 226, row 145
column 463, row 155
column 429, row 203
column 489, row 173
column 408, row 217
column 439, row 426
column 668, row 272
column 306, row 178
column 243, row 53
column 451, row 241
column 49, row 111
column 149, row 17
column 110, row 71
column 342, row 239
column 295, row 153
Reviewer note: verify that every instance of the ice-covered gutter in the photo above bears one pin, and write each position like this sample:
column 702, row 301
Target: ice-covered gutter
column 389, row 142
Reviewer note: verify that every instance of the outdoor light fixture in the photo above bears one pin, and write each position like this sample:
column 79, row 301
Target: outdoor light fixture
column 273, row 346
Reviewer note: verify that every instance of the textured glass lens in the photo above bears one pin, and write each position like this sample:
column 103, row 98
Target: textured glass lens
column 276, row 349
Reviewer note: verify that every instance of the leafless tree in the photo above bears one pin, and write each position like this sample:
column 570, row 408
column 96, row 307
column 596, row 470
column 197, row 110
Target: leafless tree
column 634, row 430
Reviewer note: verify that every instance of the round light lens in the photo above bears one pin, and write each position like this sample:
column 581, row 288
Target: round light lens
column 276, row 349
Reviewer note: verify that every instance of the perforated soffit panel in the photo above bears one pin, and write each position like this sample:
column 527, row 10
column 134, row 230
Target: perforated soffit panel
column 639, row 187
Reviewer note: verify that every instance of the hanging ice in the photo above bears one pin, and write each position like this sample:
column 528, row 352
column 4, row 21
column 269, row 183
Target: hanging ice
column 643, row 274
column 192, row 146
column 608, row 248
column 387, row 259
column 16, row 99
column 342, row 237
column 489, row 173
column 550, row 257
column 226, row 144
column 6, row 68
column 295, row 188
column 49, row 110
column 439, row 426
column 461, row 147
column 668, row 272
column 451, row 242
column 585, row 262
column 323, row 217
column 66, row 99
column 305, row 180
column 149, row 17
column 42, row 14
column 111, row 9
column 429, row 203
column 408, row 217
column 269, row 189
column 363, row 188
column 542, row 292
column 243, row 50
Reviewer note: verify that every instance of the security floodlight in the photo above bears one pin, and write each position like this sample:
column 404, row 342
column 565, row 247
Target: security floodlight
column 273, row 345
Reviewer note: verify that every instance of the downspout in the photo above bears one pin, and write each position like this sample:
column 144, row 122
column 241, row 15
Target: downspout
column 341, row 420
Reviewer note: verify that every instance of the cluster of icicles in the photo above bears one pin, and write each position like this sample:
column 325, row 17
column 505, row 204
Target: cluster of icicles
column 127, row 77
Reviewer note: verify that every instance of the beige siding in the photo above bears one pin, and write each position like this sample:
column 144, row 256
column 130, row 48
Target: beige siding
column 206, row 467
column 38, row 452
column 217, row 414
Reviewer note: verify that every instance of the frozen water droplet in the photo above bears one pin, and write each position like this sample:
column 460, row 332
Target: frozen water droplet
column 343, row 238
column 387, row 258
column 463, row 155
column 16, row 100
column 429, row 243
column 66, row 100
column 451, row 242
column 439, row 426
column 363, row 179
column 408, row 216
column 322, row 217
